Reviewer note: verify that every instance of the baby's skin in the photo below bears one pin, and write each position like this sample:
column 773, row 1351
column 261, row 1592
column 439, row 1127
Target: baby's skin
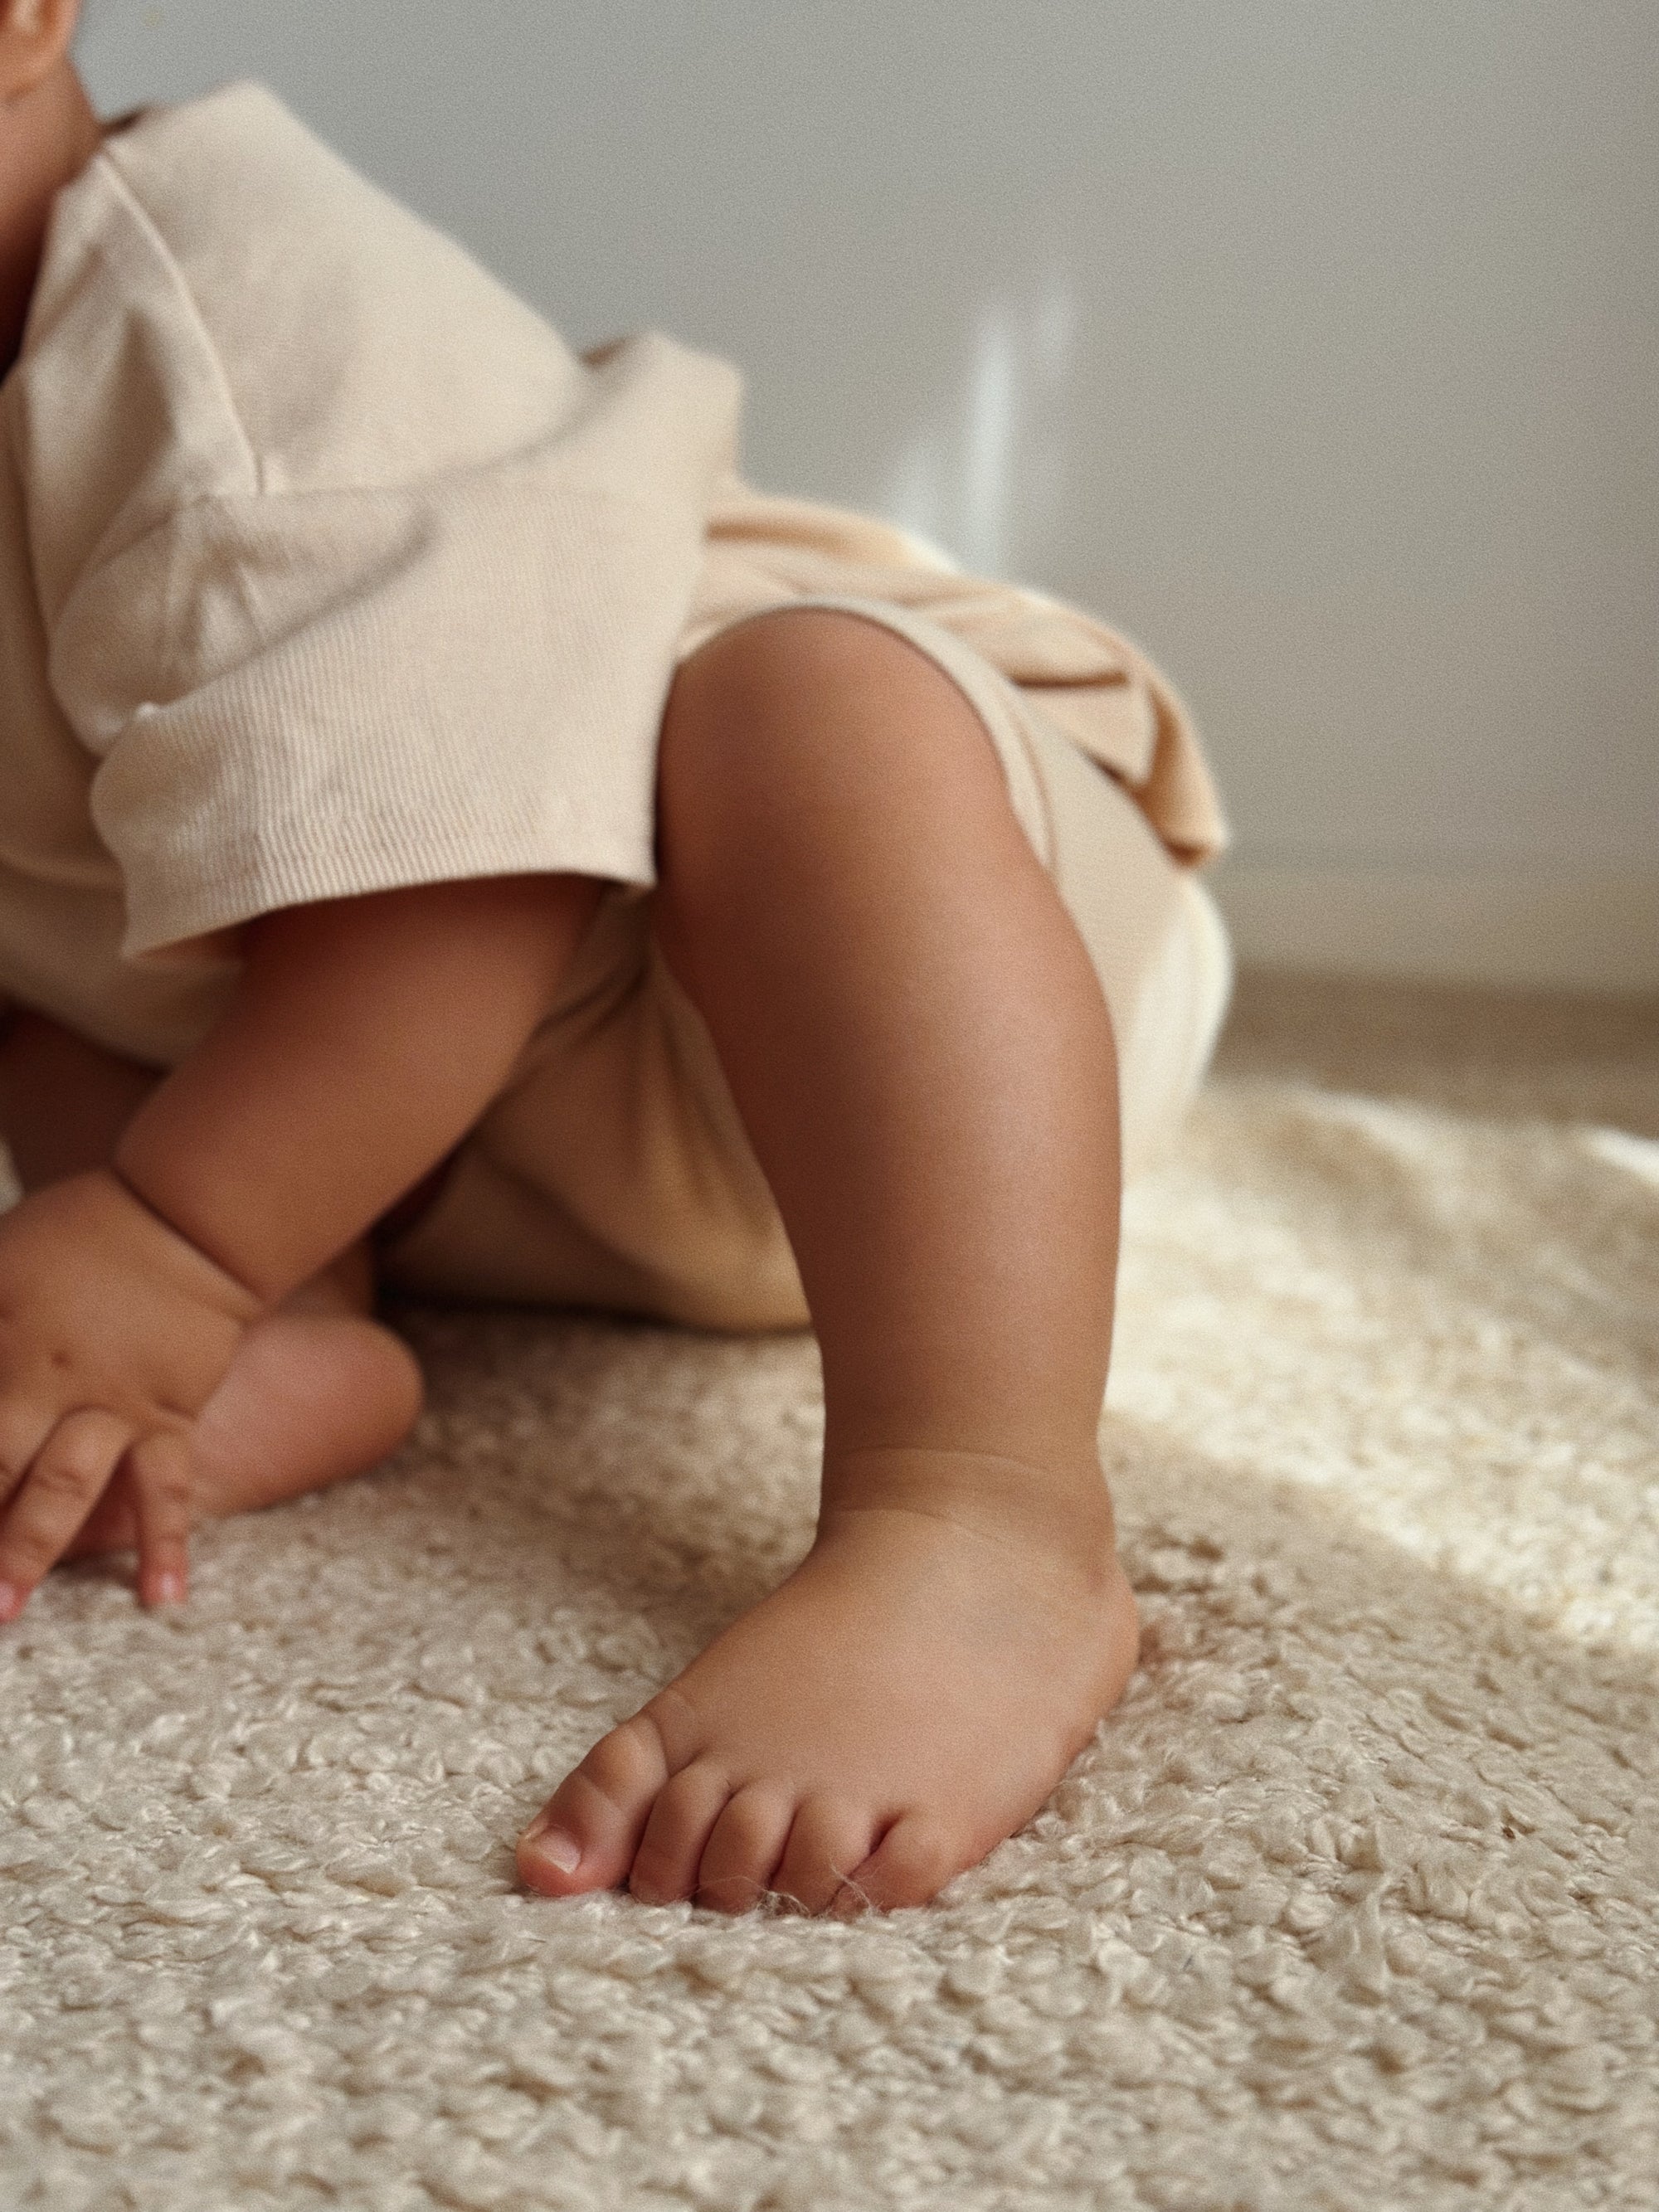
column 923, row 1059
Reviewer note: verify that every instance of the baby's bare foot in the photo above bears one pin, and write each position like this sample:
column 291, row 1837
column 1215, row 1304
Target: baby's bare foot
column 318, row 1392
column 906, row 1700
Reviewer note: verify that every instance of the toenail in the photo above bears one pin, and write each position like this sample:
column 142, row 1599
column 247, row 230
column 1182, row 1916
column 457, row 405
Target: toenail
column 553, row 1844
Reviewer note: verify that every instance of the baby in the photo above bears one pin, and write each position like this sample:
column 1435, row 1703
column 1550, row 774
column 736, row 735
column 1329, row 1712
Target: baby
column 454, row 833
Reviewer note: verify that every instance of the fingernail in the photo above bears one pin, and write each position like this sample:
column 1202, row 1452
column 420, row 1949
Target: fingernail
column 12, row 1601
column 555, row 1846
column 168, row 1589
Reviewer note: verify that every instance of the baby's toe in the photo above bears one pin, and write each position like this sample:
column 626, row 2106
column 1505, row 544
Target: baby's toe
column 587, row 1835
column 670, row 1850
column 827, row 1842
column 911, row 1864
column 744, row 1848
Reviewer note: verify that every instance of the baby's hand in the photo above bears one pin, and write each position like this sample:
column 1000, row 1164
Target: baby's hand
column 114, row 1331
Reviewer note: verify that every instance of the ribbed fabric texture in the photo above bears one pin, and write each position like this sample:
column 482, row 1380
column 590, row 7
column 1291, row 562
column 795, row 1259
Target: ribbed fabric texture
column 326, row 567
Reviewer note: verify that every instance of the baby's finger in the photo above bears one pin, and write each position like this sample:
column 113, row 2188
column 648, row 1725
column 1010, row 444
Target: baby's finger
column 67, row 1479
column 159, row 1471
column 23, row 1429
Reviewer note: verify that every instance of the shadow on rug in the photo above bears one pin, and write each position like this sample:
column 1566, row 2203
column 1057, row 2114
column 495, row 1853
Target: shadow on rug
column 1350, row 1904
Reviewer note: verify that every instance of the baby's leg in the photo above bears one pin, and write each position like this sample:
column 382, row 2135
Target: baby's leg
column 318, row 1391
column 923, row 1059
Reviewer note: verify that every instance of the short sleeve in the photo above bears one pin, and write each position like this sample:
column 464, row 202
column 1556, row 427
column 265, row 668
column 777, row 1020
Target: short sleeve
column 310, row 694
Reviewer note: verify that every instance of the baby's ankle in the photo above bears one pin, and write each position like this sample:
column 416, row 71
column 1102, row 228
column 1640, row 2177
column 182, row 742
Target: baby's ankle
column 1050, row 1501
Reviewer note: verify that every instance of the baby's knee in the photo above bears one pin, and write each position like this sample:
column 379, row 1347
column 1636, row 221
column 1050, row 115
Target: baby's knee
column 801, row 723
column 814, row 685
column 765, row 665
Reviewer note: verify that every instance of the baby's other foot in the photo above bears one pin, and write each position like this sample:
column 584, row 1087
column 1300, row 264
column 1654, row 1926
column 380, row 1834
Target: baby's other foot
column 317, row 1392
column 907, row 1699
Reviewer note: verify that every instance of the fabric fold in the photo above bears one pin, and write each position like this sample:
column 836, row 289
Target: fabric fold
column 333, row 569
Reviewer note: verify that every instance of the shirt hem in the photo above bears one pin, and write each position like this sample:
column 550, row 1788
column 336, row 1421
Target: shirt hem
column 173, row 934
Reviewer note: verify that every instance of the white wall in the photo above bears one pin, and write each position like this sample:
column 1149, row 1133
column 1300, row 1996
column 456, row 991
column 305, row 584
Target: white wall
column 1313, row 341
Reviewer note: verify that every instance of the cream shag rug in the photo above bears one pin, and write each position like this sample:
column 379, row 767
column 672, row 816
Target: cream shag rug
column 1350, row 1904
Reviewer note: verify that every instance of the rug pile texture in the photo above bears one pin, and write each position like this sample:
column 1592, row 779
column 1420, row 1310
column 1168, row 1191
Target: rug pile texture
column 1350, row 1904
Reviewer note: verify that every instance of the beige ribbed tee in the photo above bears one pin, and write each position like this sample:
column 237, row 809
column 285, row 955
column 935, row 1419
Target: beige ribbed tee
column 326, row 567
